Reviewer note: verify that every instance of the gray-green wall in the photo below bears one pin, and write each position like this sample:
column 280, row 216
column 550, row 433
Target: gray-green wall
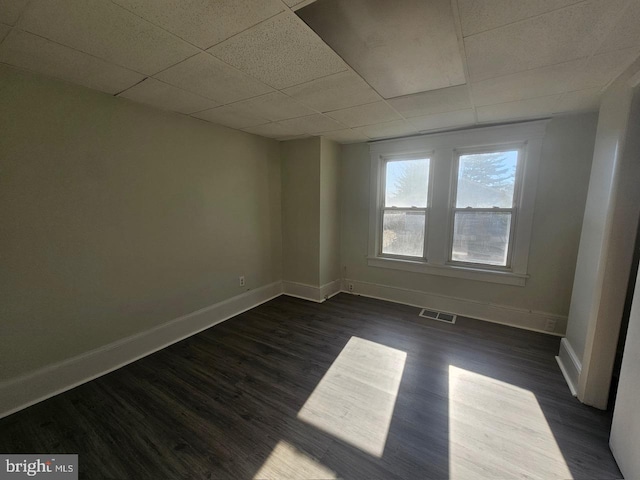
column 329, row 211
column 562, row 188
column 115, row 218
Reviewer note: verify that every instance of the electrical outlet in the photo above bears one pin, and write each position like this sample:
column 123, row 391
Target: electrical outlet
column 550, row 326
column 242, row 280
column 351, row 287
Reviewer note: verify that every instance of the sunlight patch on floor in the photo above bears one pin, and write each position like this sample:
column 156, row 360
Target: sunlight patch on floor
column 287, row 462
column 498, row 430
column 355, row 399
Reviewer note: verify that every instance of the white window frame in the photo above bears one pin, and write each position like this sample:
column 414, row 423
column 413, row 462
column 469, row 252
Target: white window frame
column 382, row 208
column 443, row 149
column 453, row 209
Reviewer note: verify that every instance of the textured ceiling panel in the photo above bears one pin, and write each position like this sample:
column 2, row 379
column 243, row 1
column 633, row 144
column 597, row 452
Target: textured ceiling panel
column 35, row 53
column 601, row 69
column 436, row 101
column 526, row 59
column 333, row 92
column 270, row 130
column 310, row 124
column 580, row 101
column 204, row 22
column 107, row 31
column 530, row 84
column 233, row 116
column 480, row 15
column 167, row 97
column 276, row 106
column 211, row 78
column 379, row 112
column 627, row 32
column 396, row 128
column 439, row 121
column 399, row 48
column 345, row 136
column 567, row 34
column 10, row 10
column 281, row 52
column 532, row 108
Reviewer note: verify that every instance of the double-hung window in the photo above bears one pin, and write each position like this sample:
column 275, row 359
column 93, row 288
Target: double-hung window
column 405, row 208
column 457, row 204
column 485, row 210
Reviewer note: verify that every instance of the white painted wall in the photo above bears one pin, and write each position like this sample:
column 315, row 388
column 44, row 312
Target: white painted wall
column 562, row 187
column 310, row 217
column 625, row 430
column 329, row 212
column 117, row 218
column 606, row 245
column 301, row 211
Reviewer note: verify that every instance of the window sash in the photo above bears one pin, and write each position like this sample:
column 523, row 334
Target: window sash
column 425, row 213
column 382, row 208
column 513, row 211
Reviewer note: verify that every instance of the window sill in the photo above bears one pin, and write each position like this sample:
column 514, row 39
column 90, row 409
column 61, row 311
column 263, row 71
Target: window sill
column 491, row 276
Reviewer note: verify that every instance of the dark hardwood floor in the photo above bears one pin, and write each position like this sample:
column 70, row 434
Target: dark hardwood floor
column 352, row 388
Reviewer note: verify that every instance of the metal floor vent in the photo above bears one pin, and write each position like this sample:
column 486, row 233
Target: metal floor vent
column 439, row 316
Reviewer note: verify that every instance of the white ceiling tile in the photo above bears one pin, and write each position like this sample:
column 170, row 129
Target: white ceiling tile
column 480, row 15
column 600, row 69
column 567, row 34
column 204, row 22
column 580, row 101
column 440, row 121
column 277, row 106
column 626, row 32
column 293, row 3
column 281, row 52
column 35, row 53
column 378, row 112
column 435, row 101
column 231, row 116
column 532, row 108
column 396, row 128
column 4, row 31
column 167, row 97
column 342, row 90
column 399, row 48
column 311, row 124
column 10, row 10
column 106, row 30
column 538, row 82
column 346, row 136
column 207, row 76
column 271, row 130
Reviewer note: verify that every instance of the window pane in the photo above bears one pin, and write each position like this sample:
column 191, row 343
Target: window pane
column 407, row 182
column 481, row 237
column 487, row 180
column 403, row 233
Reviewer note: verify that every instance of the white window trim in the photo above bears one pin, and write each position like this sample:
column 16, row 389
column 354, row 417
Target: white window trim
column 442, row 149
column 381, row 199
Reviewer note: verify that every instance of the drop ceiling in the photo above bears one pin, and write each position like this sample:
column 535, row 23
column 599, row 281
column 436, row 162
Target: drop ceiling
column 350, row 70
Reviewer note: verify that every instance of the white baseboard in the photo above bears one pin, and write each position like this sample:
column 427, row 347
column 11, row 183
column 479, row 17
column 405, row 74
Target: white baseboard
column 502, row 314
column 24, row 391
column 311, row 293
column 570, row 365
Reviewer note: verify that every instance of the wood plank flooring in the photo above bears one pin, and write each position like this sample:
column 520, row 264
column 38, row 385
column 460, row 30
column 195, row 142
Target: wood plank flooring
column 352, row 388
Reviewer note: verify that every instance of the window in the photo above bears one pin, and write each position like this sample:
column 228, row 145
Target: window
column 404, row 213
column 484, row 211
column 457, row 204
